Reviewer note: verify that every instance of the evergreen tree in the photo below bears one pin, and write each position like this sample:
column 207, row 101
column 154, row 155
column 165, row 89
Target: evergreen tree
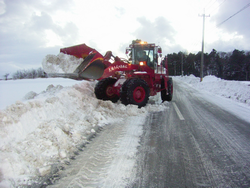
column 235, row 65
column 231, row 65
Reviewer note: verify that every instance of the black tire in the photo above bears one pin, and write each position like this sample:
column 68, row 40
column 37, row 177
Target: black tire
column 103, row 90
column 163, row 91
column 167, row 95
column 135, row 91
column 123, row 93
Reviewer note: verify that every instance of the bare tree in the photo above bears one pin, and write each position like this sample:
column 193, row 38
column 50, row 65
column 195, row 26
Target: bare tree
column 32, row 73
column 6, row 76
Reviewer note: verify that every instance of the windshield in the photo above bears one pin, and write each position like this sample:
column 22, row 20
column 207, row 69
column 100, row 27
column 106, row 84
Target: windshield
column 144, row 54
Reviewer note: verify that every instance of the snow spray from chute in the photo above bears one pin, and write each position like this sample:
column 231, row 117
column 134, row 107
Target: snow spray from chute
column 87, row 63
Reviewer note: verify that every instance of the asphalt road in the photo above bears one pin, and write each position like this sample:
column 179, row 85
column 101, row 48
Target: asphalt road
column 193, row 144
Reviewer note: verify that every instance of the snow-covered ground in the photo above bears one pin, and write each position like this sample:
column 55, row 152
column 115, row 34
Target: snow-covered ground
column 44, row 121
column 232, row 96
column 15, row 90
column 45, row 126
column 236, row 90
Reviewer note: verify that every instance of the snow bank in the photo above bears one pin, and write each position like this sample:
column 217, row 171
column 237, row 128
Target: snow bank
column 13, row 90
column 61, row 63
column 236, row 90
column 48, row 127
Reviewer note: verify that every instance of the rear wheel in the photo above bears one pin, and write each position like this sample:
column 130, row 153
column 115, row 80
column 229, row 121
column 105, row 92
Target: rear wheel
column 104, row 90
column 167, row 94
column 135, row 91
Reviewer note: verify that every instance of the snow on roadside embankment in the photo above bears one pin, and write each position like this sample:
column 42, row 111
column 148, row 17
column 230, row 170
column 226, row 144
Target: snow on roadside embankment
column 47, row 128
column 15, row 90
column 236, row 90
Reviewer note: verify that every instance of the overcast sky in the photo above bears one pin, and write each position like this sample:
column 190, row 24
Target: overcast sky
column 31, row 29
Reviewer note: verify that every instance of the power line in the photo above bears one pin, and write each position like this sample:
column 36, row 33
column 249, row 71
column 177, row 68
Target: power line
column 207, row 6
column 233, row 15
column 204, row 6
column 246, row 6
column 218, row 6
column 196, row 42
column 210, row 6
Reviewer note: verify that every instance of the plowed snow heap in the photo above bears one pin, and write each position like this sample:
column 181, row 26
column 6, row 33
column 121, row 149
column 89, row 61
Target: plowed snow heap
column 62, row 63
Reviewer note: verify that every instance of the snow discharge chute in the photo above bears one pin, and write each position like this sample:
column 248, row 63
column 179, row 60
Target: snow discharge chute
column 92, row 66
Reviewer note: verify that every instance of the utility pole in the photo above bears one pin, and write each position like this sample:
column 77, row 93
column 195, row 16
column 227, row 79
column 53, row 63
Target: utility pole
column 181, row 64
column 202, row 46
column 175, row 68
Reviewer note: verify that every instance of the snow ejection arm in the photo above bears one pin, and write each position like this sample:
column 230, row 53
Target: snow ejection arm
column 92, row 66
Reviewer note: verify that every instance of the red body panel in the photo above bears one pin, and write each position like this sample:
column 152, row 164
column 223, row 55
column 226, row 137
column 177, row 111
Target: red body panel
column 80, row 51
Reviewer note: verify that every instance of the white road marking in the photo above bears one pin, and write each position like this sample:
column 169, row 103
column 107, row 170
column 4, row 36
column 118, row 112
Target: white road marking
column 178, row 112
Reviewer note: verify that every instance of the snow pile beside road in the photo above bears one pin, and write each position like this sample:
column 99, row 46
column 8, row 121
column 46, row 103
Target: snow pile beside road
column 62, row 63
column 15, row 90
column 235, row 90
column 49, row 127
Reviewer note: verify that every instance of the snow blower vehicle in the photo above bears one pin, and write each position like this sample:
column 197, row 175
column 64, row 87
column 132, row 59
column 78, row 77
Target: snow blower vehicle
column 132, row 81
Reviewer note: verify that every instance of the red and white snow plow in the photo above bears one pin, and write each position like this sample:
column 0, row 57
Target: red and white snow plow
column 132, row 81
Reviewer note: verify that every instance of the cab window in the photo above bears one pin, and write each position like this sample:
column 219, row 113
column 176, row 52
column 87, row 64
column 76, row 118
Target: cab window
column 145, row 55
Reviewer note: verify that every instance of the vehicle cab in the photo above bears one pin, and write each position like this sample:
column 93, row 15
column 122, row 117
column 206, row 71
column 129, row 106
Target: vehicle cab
column 144, row 54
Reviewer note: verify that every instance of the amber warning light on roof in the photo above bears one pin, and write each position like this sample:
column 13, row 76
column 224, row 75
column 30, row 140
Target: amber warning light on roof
column 143, row 42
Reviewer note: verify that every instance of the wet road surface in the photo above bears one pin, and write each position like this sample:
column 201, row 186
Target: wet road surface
column 193, row 144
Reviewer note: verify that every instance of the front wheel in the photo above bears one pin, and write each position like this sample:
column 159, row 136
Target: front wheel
column 135, row 91
column 104, row 90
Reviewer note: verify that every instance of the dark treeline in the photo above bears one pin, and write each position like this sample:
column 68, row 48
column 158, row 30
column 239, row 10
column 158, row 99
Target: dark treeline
column 27, row 74
column 230, row 66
